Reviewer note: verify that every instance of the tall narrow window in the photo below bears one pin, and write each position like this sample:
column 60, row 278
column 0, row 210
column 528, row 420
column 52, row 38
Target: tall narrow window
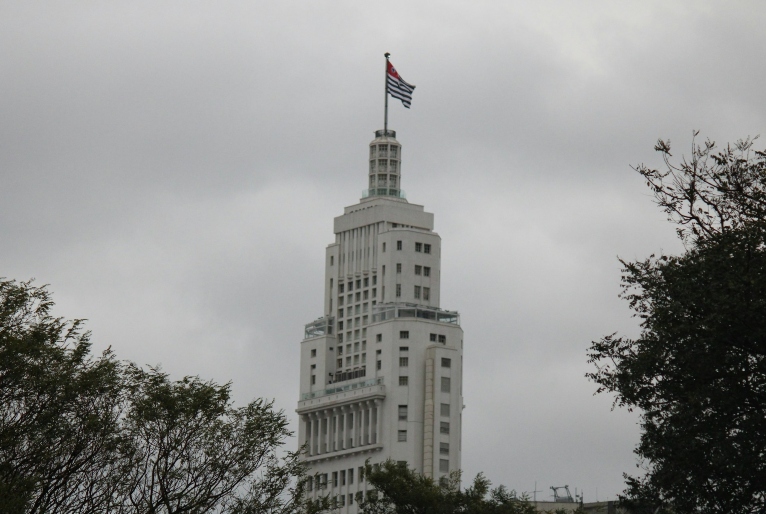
column 426, row 293
column 398, row 290
column 417, row 292
column 443, row 466
column 403, row 412
column 402, row 436
column 426, row 248
column 444, row 427
column 403, row 381
column 444, row 411
column 398, row 267
column 404, row 362
column 418, row 270
column 426, row 271
column 398, row 245
column 444, row 448
column 384, row 247
column 418, row 247
column 445, row 384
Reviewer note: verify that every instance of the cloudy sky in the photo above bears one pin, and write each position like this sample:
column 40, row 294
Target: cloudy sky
column 172, row 170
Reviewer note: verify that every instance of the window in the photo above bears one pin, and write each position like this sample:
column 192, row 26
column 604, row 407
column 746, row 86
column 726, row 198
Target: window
column 348, row 361
column 445, row 384
column 426, row 271
column 332, row 260
column 360, row 469
column 340, row 338
column 443, row 448
column 426, row 248
column 403, row 381
column 350, row 285
column 379, row 338
column 402, row 436
column 343, row 477
column 404, row 362
column 418, row 247
column 351, row 476
column 340, row 324
column 313, row 366
column 418, row 270
column 356, row 347
column 442, row 339
column 366, row 281
column 339, row 364
column 404, row 334
column 364, row 345
column 364, row 358
column 340, row 288
column 426, row 293
column 340, row 300
column 417, row 292
column 335, row 479
column 403, row 412
column 378, row 352
column 340, row 313
column 374, row 292
column 444, row 409
column 342, row 500
column 433, row 337
column 384, row 247
column 359, row 284
column 358, row 296
column 374, row 282
column 404, row 348
column 366, row 295
column 398, row 267
column 313, row 379
column 314, row 353
column 379, row 365
column 356, row 359
column 446, row 363
column 443, row 466
column 350, row 499
column 398, row 290
column 398, row 245
column 444, row 427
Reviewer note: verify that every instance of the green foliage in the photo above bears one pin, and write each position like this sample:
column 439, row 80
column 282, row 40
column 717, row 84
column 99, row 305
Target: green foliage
column 401, row 490
column 697, row 372
column 92, row 435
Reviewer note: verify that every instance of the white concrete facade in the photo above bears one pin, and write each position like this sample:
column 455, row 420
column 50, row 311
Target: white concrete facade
column 381, row 371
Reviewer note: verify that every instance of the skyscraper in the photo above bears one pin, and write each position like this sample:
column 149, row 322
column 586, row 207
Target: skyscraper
column 381, row 371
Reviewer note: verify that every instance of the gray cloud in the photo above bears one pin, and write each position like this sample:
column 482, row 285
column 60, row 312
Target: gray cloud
column 172, row 170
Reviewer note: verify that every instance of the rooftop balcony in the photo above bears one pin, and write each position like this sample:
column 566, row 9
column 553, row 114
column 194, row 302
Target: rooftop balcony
column 386, row 311
column 340, row 389
column 319, row 328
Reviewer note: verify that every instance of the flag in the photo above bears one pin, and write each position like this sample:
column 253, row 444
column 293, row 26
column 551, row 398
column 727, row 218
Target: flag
column 397, row 87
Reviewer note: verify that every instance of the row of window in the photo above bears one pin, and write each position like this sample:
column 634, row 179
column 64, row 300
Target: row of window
column 419, row 247
column 446, row 384
column 419, row 270
column 360, row 283
column 382, row 150
column 405, row 334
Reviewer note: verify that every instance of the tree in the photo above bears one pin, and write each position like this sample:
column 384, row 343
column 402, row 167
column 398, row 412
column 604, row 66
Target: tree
column 401, row 490
column 190, row 450
column 94, row 435
column 59, row 409
column 697, row 372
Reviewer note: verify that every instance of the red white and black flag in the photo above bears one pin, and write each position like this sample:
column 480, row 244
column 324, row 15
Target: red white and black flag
column 397, row 87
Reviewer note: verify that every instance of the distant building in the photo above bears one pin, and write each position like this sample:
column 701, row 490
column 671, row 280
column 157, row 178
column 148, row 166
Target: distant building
column 381, row 370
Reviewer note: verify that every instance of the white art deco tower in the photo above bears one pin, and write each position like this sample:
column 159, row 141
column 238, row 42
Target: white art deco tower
column 381, row 371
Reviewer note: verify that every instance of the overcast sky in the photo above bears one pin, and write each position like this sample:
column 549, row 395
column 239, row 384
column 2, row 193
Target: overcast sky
column 172, row 170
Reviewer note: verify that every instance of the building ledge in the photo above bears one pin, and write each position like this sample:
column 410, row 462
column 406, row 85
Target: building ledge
column 372, row 392
column 368, row 448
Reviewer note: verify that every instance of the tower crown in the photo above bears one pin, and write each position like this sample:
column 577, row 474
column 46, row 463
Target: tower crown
column 385, row 166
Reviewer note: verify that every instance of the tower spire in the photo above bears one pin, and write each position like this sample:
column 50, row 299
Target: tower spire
column 385, row 94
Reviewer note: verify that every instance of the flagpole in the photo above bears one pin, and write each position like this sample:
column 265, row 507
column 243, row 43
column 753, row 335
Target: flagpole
column 385, row 91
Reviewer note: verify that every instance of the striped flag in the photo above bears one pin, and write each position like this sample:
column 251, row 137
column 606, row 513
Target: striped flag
column 397, row 87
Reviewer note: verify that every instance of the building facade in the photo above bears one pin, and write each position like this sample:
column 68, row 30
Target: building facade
column 381, row 371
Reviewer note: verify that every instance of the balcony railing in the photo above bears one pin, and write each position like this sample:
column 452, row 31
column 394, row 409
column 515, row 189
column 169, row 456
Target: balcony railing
column 340, row 389
column 320, row 327
column 386, row 311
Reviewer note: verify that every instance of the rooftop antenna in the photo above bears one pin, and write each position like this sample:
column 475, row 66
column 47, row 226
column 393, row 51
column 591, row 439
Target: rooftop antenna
column 385, row 91
column 534, row 493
